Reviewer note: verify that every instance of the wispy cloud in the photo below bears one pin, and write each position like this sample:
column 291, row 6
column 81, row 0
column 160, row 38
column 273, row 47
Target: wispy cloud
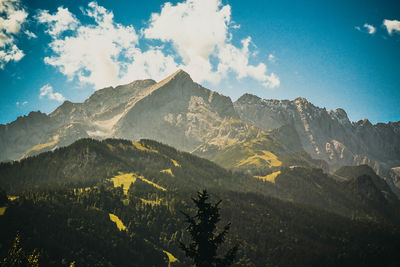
column 371, row 29
column 13, row 16
column 271, row 58
column 47, row 91
column 392, row 26
column 30, row 34
column 18, row 104
column 367, row 28
column 107, row 53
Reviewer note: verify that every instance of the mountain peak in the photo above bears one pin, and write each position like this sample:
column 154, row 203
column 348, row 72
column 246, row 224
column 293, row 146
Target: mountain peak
column 301, row 100
column 340, row 115
column 248, row 98
column 179, row 74
column 364, row 123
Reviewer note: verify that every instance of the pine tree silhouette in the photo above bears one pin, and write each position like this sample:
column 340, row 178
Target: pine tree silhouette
column 205, row 239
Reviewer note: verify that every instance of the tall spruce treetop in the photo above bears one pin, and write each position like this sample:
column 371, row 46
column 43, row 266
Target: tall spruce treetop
column 205, row 239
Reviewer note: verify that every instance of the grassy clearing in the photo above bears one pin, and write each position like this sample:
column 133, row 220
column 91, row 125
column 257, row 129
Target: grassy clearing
column 258, row 153
column 124, row 179
column 270, row 177
column 2, row 210
column 168, row 171
column 171, row 257
column 110, row 147
column 38, row 148
column 12, row 198
column 176, row 164
column 259, row 160
column 152, row 183
column 117, row 221
column 139, row 146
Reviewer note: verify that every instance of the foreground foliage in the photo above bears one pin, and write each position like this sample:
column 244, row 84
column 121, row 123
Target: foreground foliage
column 205, row 241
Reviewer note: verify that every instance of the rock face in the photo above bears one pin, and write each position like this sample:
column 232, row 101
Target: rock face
column 181, row 113
column 95, row 118
column 328, row 135
column 23, row 133
column 176, row 111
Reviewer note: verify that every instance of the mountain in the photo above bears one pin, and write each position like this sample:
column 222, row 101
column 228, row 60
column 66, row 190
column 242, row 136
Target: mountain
column 62, row 205
column 252, row 135
column 176, row 111
column 329, row 135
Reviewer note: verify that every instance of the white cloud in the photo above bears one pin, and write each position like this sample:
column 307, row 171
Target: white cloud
column 392, row 26
column 196, row 28
column 368, row 28
column 272, row 81
column 236, row 60
column 271, row 58
column 47, row 90
column 10, row 53
column 30, row 35
column 198, row 31
column 58, row 23
column 21, row 103
column 12, row 17
column 107, row 53
column 152, row 63
column 91, row 53
column 371, row 29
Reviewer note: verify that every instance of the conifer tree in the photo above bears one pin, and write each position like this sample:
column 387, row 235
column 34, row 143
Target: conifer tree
column 205, row 239
column 17, row 257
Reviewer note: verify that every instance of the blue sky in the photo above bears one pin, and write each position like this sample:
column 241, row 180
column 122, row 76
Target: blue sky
column 334, row 53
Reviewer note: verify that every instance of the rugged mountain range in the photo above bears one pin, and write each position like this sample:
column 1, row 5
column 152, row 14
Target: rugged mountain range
column 251, row 134
column 329, row 135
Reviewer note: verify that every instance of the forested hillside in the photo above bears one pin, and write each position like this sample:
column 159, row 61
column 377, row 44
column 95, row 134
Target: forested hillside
column 117, row 202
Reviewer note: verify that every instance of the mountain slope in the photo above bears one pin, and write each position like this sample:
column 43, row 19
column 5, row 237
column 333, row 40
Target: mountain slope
column 155, row 167
column 178, row 112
